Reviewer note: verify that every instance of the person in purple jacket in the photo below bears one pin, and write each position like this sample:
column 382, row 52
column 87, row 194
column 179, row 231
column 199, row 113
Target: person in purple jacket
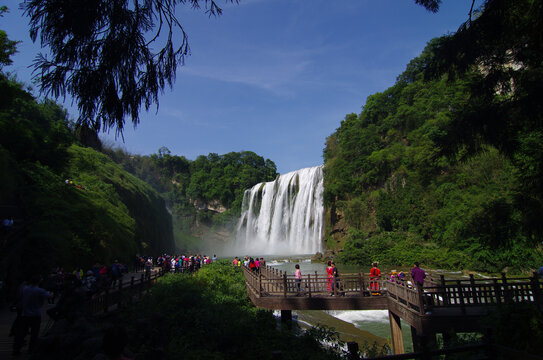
column 418, row 275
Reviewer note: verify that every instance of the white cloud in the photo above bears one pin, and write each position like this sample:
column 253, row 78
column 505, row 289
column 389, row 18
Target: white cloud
column 271, row 70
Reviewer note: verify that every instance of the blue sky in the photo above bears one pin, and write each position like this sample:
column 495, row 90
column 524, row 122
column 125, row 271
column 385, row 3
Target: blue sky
column 272, row 76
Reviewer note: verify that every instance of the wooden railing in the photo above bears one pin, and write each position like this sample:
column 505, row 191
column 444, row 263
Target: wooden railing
column 122, row 293
column 406, row 295
column 269, row 281
column 462, row 293
column 496, row 291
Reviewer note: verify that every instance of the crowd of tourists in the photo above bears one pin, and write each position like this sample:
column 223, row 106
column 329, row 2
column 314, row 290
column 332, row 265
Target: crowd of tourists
column 172, row 263
column 99, row 276
column 68, row 290
column 253, row 264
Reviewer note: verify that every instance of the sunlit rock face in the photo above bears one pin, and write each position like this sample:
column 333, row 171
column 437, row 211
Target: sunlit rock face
column 283, row 217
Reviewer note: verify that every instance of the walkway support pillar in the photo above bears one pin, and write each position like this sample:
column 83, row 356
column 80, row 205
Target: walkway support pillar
column 396, row 333
column 286, row 317
column 423, row 342
column 352, row 349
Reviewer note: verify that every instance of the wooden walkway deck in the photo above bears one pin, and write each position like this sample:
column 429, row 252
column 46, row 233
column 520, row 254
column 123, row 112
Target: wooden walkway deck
column 130, row 288
column 274, row 289
column 441, row 306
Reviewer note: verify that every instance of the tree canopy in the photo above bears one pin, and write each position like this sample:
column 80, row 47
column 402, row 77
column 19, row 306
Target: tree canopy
column 103, row 53
column 444, row 167
column 7, row 47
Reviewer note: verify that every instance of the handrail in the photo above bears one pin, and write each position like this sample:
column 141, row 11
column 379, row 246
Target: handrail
column 269, row 281
column 120, row 293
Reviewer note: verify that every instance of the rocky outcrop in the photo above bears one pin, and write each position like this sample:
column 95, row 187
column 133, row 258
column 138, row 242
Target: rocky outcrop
column 213, row 205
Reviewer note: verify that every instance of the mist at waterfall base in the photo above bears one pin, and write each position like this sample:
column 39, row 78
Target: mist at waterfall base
column 282, row 217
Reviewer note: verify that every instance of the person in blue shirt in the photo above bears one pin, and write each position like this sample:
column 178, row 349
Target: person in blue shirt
column 33, row 297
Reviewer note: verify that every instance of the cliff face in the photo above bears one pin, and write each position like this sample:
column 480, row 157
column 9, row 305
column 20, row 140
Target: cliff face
column 212, row 205
column 148, row 222
column 72, row 206
column 91, row 211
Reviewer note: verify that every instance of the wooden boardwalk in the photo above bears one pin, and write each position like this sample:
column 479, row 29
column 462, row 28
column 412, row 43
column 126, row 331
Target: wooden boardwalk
column 130, row 288
column 443, row 305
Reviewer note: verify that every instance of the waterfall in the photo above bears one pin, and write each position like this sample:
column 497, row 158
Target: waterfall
column 283, row 217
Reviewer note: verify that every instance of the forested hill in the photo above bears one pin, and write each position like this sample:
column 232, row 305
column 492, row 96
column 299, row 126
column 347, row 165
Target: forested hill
column 103, row 213
column 445, row 167
column 204, row 195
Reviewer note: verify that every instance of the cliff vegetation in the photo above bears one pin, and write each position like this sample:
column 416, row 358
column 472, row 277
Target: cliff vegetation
column 71, row 205
column 444, row 167
column 204, row 195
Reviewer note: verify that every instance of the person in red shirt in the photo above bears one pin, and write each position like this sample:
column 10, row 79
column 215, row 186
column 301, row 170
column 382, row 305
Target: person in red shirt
column 375, row 277
column 252, row 265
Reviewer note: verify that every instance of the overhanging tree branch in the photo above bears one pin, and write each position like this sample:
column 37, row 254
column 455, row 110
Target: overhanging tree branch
column 102, row 53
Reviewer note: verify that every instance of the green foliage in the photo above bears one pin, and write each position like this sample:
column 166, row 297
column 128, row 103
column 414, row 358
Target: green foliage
column 444, row 167
column 209, row 316
column 106, row 213
column 152, row 225
column 7, row 47
column 374, row 350
column 518, row 326
column 195, row 190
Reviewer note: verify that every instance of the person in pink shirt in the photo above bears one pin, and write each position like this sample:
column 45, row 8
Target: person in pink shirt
column 298, row 278
column 330, row 273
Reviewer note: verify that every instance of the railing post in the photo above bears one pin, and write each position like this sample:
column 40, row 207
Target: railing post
column 318, row 286
column 120, row 293
column 284, row 284
column 361, row 282
column 106, row 300
column 461, row 297
column 405, row 294
column 444, row 294
column 507, row 293
column 497, row 292
column 259, row 285
column 473, row 293
column 352, row 349
column 421, row 300
column 536, row 291
column 131, row 292
column 141, row 286
column 309, row 285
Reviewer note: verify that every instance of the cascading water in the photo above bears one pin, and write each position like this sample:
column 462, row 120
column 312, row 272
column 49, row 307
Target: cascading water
column 283, row 217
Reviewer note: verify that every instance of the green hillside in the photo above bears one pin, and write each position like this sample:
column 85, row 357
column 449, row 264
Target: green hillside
column 104, row 214
column 444, row 167
column 204, row 195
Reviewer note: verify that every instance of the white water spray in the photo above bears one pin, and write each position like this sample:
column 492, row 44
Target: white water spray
column 283, row 217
